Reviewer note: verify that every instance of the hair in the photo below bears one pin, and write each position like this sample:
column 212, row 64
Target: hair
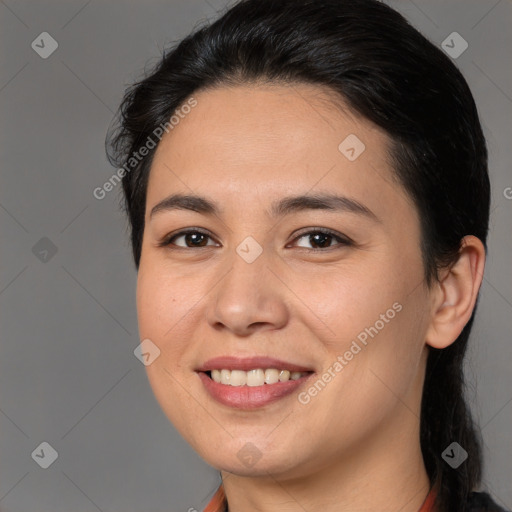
column 366, row 54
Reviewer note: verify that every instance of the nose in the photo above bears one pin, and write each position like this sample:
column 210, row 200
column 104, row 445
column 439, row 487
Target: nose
column 248, row 299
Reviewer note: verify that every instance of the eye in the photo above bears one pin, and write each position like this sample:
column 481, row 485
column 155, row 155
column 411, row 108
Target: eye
column 321, row 239
column 188, row 239
column 317, row 239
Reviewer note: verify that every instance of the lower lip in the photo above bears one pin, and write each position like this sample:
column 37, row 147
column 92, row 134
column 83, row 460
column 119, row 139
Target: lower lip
column 250, row 397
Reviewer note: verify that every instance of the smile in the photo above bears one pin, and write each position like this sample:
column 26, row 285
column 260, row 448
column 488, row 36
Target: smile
column 252, row 378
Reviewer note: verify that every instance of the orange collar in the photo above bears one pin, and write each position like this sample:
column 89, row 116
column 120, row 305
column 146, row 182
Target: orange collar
column 219, row 503
column 428, row 504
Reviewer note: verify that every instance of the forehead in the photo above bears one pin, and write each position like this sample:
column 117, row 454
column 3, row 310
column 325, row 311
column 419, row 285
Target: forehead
column 254, row 121
column 261, row 141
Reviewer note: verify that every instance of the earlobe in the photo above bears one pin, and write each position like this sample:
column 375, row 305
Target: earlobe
column 454, row 297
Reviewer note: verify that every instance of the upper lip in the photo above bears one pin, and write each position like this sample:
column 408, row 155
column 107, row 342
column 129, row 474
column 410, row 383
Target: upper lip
column 250, row 363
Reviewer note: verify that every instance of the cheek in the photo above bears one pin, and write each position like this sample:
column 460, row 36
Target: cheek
column 384, row 373
column 164, row 314
column 170, row 310
column 372, row 380
column 162, row 300
column 374, row 319
column 348, row 301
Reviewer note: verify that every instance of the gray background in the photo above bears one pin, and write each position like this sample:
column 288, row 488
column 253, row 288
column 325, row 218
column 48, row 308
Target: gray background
column 68, row 375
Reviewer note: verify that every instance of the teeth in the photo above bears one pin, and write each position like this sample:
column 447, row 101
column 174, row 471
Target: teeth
column 271, row 376
column 284, row 375
column 256, row 377
column 224, row 376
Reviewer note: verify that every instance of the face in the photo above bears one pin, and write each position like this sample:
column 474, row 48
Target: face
column 330, row 282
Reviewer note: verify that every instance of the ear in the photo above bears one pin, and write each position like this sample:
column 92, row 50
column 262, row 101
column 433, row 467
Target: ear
column 454, row 297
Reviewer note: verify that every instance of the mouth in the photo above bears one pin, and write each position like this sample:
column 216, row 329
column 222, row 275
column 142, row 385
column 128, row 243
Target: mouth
column 249, row 383
column 254, row 377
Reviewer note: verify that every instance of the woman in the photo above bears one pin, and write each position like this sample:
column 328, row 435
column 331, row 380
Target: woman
column 308, row 194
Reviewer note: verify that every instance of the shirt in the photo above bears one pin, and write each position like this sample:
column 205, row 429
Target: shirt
column 218, row 503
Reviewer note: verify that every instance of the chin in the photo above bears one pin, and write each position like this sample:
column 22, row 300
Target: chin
column 242, row 462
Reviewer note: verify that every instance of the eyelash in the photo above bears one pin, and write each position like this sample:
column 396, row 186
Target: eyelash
column 342, row 240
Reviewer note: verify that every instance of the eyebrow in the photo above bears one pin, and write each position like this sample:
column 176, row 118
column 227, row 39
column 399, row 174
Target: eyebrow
column 279, row 208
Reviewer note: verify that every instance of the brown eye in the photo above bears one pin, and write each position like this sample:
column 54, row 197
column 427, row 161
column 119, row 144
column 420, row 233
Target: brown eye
column 189, row 239
column 195, row 239
column 321, row 240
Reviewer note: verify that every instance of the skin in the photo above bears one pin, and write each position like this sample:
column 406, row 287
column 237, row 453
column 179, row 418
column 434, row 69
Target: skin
column 355, row 445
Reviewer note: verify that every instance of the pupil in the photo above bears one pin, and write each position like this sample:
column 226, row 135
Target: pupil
column 321, row 239
column 194, row 238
